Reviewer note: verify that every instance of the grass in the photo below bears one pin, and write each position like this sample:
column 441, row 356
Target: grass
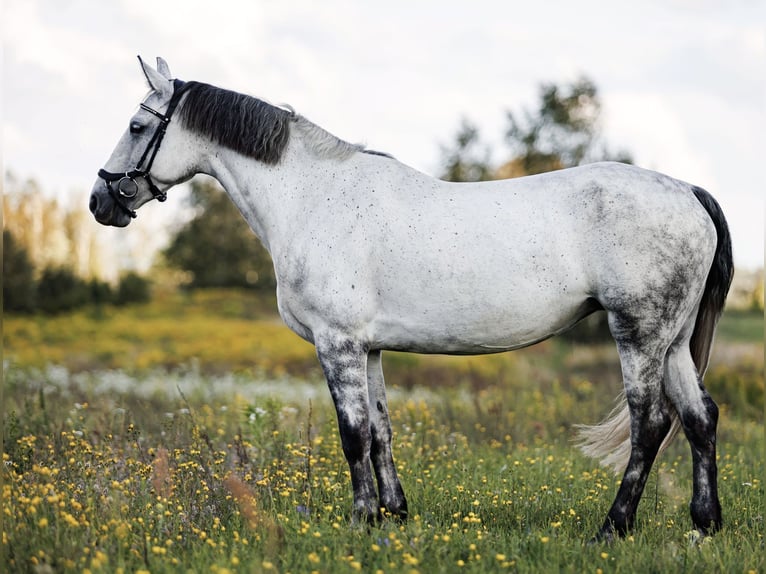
column 224, row 331
column 742, row 326
column 117, row 460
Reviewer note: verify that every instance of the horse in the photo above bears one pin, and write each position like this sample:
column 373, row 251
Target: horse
column 371, row 255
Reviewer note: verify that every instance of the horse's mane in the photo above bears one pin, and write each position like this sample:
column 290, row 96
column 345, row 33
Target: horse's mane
column 253, row 127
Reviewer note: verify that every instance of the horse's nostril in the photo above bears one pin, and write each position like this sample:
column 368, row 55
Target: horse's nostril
column 93, row 203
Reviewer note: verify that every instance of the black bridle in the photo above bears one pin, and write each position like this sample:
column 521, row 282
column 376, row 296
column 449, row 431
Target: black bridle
column 127, row 188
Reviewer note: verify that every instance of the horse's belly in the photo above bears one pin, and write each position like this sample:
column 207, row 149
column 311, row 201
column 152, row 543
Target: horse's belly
column 477, row 326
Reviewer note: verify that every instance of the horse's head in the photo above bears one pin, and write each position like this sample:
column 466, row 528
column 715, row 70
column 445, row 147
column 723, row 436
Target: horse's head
column 145, row 163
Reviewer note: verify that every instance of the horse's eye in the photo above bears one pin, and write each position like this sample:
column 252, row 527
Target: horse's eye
column 136, row 128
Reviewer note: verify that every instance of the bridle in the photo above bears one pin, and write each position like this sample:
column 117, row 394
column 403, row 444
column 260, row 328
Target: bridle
column 127, row 188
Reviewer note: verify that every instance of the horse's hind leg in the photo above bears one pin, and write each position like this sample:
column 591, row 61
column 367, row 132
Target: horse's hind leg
column 344, row 362
column 699, row 418
column 392, row 497
column 641, row 358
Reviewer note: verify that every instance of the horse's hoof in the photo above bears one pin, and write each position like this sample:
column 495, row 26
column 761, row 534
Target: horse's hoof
column 604, row 536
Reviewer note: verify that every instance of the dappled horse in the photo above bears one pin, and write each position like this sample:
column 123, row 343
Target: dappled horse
column 372, row 255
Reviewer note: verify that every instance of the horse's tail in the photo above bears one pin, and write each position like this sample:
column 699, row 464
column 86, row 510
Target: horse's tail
column 717, row 287
column 609, row 441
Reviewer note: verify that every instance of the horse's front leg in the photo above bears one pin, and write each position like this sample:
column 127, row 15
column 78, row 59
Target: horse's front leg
column 344, row 362
column 392, row 497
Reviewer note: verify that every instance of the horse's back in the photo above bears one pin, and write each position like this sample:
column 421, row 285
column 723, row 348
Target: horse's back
column 581, row 228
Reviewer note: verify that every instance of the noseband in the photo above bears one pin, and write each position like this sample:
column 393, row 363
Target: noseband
column 127, row 188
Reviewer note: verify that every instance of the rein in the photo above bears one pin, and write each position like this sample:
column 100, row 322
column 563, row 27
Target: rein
column 127, row 188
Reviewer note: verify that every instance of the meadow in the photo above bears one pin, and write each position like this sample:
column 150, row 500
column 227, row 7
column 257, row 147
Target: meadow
column 195, row 434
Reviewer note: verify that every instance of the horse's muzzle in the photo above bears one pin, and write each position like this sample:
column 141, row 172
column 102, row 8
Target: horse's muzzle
column 105, row 210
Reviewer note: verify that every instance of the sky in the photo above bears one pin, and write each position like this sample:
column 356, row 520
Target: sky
column 683, row 82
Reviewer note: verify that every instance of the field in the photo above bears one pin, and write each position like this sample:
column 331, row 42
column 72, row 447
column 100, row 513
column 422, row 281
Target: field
column 195, row 434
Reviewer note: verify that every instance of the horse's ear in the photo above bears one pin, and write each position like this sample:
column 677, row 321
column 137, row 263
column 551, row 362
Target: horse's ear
column 163, row 68
column 155, row 79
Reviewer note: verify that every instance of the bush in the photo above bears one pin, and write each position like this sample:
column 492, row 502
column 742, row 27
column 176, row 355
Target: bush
column 60, row 290
column 99, row 292
column 18, row 277
column 132, row 289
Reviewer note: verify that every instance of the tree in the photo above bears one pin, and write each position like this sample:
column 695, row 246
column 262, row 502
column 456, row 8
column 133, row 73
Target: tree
column 59, row 289
column 217, row 247
column 132, row 289
column 54, row 231
column 563, row 130
column 18, row 276
column 462, row 161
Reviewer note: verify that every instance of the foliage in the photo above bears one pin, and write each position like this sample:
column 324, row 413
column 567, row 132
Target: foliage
column 462, row 161
column 746, row 291
column 18, row 276
column 217, row 247
column 59, row 289
column 221, row 329
column 739, row 325
column 563, row 130
column 132, row 288
column 217, row 331
column 55, row 231
column 756, row 296
column 99, row 292
column 164, row 460
column 200, row 477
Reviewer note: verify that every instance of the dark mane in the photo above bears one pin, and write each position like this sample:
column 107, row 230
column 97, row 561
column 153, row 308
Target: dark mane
column 242, row 123
column 256, row 128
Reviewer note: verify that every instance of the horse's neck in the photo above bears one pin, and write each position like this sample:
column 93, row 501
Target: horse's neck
column 272, row 198
column 278, row 200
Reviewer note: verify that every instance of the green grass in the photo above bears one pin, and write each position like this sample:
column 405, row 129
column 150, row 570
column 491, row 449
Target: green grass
column 741, row 326
column 221, row 330
column 195, row 434
column 159, row 479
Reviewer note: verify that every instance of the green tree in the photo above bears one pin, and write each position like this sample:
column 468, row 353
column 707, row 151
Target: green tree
column 59, row 289
column 18, row 276
column 217, row 247
column 562, row 130
column 99, row 292
column 132, row 288
column 466, row 160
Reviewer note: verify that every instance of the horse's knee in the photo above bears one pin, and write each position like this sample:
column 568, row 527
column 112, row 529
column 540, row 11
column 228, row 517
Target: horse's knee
column 650, row 423
column 710, row 407
column 355, row 439
column 700, row 424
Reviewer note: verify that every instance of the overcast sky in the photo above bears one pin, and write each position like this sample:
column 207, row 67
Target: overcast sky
column 683, row 81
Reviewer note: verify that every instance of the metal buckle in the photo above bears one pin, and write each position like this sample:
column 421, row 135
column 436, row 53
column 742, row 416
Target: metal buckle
column 127, row 187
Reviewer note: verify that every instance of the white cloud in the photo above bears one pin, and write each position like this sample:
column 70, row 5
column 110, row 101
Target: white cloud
column 654, row 131
column 42, row 35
